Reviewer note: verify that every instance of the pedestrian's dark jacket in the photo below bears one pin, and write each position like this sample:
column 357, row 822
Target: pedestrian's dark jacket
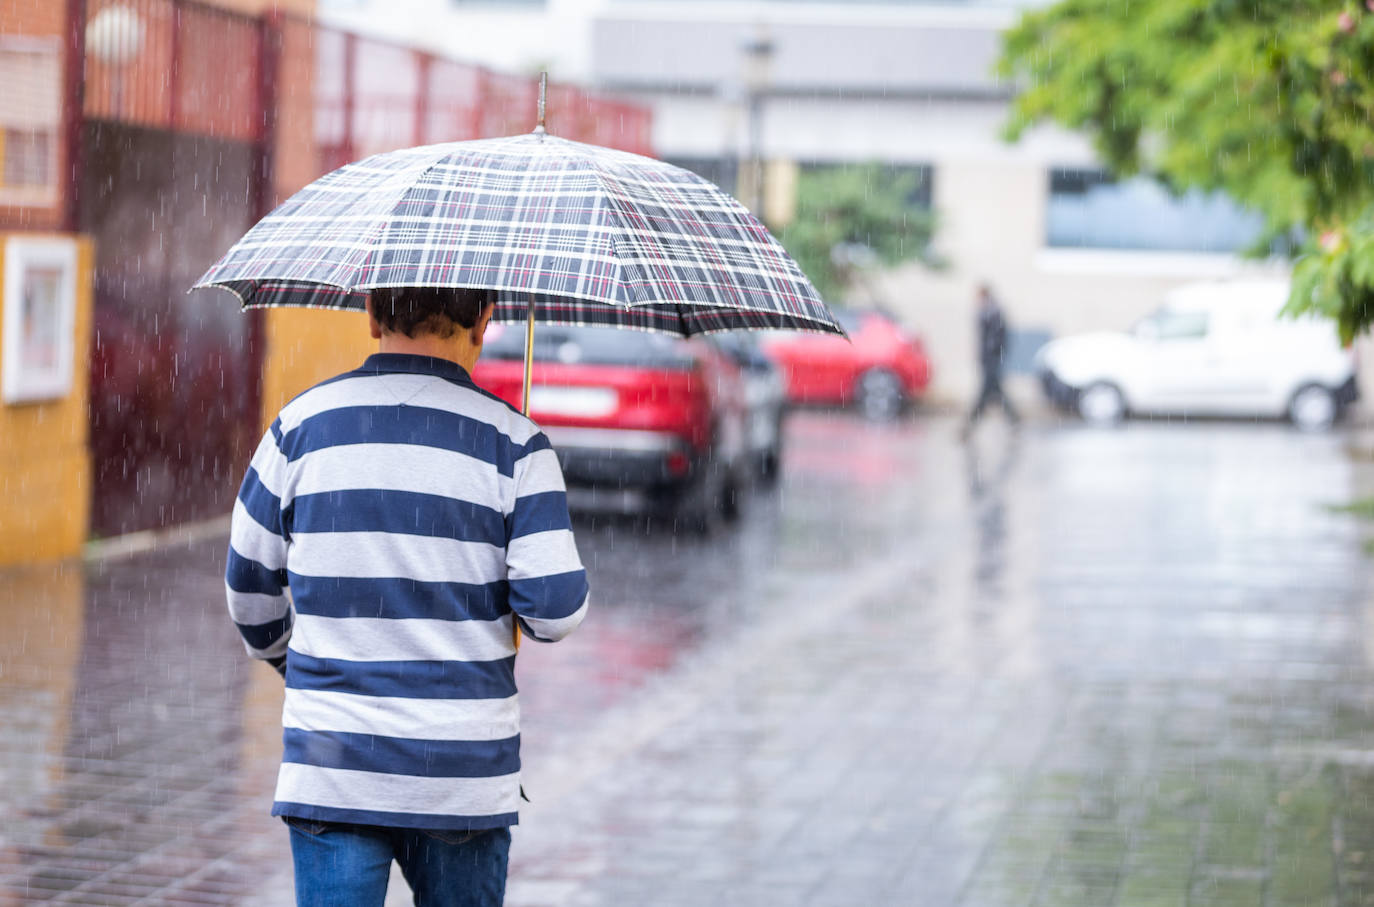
column 992, row 338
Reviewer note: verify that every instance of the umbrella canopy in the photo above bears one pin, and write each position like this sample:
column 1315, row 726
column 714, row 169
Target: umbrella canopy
column 575, row 233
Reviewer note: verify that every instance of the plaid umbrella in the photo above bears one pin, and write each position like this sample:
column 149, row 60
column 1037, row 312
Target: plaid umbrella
column 566, row 233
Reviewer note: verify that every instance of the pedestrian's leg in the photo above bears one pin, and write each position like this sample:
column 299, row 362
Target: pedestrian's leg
column 339, row 865
column 456, row 869
column 1012, row 415
column 985, row 394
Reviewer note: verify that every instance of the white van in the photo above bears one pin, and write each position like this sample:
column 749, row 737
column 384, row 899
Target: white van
column 1213, row 349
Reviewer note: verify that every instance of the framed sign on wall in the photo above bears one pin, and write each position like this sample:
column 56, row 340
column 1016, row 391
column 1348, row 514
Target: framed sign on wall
column 36, row 361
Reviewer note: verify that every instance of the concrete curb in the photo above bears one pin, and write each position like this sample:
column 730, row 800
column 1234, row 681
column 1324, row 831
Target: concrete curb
column 155, row 539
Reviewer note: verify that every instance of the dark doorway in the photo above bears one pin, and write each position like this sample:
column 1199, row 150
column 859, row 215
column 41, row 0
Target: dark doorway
column 174, row 384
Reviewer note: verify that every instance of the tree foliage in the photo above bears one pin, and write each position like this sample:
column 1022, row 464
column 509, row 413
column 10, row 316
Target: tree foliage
column 867, row 206
column 1271, row 101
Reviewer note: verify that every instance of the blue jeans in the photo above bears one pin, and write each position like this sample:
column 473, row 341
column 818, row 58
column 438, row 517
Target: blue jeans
column 343, row 865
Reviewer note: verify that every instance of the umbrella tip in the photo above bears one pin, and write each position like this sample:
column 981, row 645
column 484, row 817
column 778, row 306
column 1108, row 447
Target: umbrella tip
column 543, row 95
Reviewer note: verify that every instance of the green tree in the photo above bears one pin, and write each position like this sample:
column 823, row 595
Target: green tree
column 854, row 208
column 1271, row 101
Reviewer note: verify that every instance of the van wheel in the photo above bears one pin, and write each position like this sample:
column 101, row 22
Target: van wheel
column 1313, row 408
column 769, row 467
column 1101, row 404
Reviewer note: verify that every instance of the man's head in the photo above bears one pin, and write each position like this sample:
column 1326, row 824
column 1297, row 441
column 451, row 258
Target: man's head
column 440, row 311
column 985, row 298
column 444, row 322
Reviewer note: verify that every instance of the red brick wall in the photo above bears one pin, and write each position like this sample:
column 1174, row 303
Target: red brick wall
column 40, row 19
column 32, row 17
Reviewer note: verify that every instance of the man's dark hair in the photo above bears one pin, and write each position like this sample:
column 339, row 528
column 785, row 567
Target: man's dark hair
column 440, row 311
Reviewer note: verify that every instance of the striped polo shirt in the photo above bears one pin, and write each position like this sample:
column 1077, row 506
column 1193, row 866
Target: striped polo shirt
column 413, row 517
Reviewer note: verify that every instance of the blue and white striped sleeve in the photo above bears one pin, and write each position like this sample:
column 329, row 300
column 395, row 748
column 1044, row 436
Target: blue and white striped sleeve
column 255, row 576
column 548, row 585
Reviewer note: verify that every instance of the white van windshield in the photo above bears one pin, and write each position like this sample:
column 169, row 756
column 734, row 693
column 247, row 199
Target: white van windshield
column 1172, row 324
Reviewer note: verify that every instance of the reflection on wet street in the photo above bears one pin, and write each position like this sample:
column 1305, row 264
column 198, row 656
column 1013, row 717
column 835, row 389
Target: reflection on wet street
column 1075, row 667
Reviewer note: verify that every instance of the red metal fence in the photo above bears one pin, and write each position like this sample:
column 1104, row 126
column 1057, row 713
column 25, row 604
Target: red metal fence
column 373, row 96
column 172, row 65
column 186, row 67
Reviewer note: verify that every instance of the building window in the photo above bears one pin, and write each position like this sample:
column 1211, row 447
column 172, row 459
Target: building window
column 28, row 159
column 30, row 116
column 1088, row 209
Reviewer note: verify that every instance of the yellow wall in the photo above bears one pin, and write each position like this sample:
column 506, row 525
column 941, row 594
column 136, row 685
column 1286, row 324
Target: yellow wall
column 45, row 463
column 306, row 346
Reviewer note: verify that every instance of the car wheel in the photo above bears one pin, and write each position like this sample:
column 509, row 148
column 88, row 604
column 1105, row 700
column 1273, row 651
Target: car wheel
column 1313, row 408
column 730, row 498
column 880, row 394
column 768, row 466
column 699, row 506
column 1101, row 404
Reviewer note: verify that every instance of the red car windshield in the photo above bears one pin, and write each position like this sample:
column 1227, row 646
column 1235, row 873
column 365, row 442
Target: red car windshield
column 590, row 346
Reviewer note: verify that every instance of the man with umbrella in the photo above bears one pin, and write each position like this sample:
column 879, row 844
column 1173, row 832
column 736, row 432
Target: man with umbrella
column 553, row 232
column 416, row 520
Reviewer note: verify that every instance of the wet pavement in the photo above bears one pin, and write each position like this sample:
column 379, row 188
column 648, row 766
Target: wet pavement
column 1072, row 667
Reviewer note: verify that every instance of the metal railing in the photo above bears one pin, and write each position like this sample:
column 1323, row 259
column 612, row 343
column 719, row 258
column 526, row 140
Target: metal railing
column 186, row 66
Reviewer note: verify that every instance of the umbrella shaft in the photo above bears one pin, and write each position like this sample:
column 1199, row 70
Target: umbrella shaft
column 525, row 406
column 529, row 357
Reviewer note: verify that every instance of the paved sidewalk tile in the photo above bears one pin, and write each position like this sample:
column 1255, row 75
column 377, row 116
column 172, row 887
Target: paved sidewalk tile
column 1128, row 669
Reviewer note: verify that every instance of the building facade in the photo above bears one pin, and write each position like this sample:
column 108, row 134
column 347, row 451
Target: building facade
column 138, row 140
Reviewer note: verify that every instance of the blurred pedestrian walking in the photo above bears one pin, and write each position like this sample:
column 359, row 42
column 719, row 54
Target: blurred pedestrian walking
column 992, row 351
column 416, row 519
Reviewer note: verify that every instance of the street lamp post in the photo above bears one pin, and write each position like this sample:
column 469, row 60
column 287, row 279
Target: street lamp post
column 757, row 52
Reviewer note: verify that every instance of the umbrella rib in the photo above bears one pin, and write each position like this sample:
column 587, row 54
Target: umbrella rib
column 384, row 219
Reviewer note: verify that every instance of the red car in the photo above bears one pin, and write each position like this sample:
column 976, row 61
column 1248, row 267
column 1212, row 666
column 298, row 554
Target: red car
column 882, row 367
column 656, row 417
